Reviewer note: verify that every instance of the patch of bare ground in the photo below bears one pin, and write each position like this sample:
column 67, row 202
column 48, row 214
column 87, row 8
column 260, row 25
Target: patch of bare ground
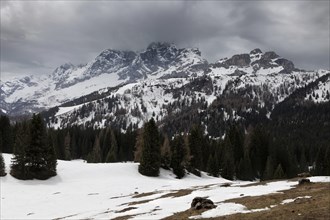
column 178, row 193
column 316, row 207
column 138, row 202
column 144, row 194
column 126, row 217
column 185, row 214
column 125, row 210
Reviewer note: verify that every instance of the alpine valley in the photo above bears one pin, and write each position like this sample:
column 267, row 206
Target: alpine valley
column 175, row 86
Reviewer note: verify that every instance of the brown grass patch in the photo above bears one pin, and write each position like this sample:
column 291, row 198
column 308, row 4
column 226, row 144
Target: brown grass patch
column 185, row 214
column 179, row 193
column 144, row 194
column 256, row 202
column 125, row 209
column 316, row 207
column 139, row 202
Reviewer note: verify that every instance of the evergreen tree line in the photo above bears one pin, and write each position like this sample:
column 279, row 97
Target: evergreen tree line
column 33, row 156
column 246, row 153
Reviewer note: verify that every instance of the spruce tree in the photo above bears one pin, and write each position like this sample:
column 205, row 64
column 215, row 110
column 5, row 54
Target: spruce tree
column 303, row 167
column 322, row 163
column 138, row 145
column 236, row 138
column 269, row 170
column 6, row 135
column 178, row 154
column 34, row 157
column 150, row 154
column 279, row 173
column 228, row 162
column 95, row 155
column 245, row 171
column 2, row 166
column 67, row 146
column 106, row 144
column 212, row 165
column 228, row 168
column 112, row 154
column 195, row 140
column 258, row 148
column 40, row 156
column 18, row 167
column 166, row 154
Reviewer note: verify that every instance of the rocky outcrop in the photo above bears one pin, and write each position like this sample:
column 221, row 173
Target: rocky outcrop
column 202, row 203
column 239, row 60
column 304, row 181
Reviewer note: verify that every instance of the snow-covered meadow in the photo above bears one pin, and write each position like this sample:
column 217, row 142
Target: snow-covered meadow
column 107, row 191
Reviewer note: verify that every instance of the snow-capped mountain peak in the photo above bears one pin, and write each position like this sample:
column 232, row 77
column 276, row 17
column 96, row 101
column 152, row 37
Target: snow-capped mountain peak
column 109, row 69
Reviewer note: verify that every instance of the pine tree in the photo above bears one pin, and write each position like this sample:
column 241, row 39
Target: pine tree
column 303, row 167
column 138, row 145
column 228, row 168
column 112, row 154
column 34, row 157
column 40, row 157
column 95, row 155
column 258, row 148
column 67, row 146
column 150, row 155
column 279, row 173
column 195, row 140
column 269, row 170
column 178, row 155
column 6, row 135
column 236, row 138
column 74, row 147
column 106, row 144
column 228, row 162
column 166, row 154
column 322, row 163
column 245, row 171
column 2, row 166
column 212, row 165
column 18, row 167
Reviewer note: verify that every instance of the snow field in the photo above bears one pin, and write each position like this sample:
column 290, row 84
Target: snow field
column 103, row 191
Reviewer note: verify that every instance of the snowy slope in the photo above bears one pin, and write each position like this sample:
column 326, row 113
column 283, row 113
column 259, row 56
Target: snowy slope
column 111, row 68
column 101, row 191
column 321, row 93
column 128, row 88
column 153, row 97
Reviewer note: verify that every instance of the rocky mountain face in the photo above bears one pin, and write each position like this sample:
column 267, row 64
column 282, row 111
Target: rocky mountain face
column 111, row 68
column 177, row 87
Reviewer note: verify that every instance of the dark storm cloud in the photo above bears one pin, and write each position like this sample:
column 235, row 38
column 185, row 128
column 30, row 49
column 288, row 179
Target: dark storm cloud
column 37, row 36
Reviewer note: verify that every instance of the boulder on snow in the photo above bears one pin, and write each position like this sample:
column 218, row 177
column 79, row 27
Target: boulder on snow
column 304, row 181
column 202, row 203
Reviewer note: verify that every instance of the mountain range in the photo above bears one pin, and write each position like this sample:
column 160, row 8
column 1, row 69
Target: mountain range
column 176, row 86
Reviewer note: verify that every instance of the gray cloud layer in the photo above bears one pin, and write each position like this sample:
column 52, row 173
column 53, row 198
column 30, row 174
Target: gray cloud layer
column 37, row 36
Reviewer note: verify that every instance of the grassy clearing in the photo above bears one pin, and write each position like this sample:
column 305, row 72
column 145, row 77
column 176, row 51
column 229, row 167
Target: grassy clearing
column 316, row 207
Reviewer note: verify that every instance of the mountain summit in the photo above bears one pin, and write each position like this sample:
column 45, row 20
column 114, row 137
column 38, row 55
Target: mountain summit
column 125, row 88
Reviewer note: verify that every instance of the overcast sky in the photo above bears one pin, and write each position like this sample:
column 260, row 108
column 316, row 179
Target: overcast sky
column 38, row 36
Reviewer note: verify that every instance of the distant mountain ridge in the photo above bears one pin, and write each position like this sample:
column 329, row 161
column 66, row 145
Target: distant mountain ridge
column 110, row 68
column 176, row 86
